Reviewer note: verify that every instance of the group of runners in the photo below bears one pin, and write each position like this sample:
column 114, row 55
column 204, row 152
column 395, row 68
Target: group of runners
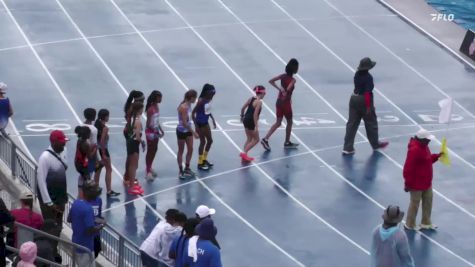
column 194, row 123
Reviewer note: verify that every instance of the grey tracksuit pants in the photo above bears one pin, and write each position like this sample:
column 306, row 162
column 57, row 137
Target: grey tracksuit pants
column 358, row 112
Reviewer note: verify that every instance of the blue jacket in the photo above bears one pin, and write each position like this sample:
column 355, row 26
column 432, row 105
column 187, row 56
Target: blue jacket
column 208, row 254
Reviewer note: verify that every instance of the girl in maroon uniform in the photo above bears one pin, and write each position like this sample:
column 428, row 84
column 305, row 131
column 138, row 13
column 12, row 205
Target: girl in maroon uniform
column 284, row 103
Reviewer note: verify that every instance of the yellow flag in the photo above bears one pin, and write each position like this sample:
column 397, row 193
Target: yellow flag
column 444, row 159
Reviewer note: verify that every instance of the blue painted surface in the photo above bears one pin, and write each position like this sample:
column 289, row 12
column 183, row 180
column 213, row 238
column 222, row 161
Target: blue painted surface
column 463, row 10
column 329, row 193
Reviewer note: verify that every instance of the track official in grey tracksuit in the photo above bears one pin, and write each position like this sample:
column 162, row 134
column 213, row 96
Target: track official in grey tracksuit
column 362, row 107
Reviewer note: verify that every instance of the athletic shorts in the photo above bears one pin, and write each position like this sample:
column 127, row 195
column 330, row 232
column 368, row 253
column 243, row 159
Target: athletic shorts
column 183, row 135
column 133, row 146
column 201, row 124
column 249, row 124
column 284, row 109
column 151, row 135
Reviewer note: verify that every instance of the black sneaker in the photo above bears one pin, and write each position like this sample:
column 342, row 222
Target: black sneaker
column 265, row 144
column 112, row 193
column 182, row 175
column 290, row 145
column 209, row 164
column 203, row 167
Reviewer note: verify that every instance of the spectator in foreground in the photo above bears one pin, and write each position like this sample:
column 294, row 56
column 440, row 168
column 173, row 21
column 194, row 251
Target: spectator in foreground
column 203, row 212
column 171, row 232
column 179, row 247
column 28, row 252
column 25, row 215
column 151, row 247
column 51, row 179
column 6, row 110
column 5, row 218
column 83, row 224
column 206, row 253
column 389, row 247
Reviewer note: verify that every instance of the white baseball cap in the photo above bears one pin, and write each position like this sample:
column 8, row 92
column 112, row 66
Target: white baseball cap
column 203, row 211
column 424, row 134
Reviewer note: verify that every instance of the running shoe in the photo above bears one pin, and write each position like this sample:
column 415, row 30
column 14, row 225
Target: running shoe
column 290, row 145
column 348, row 152
column 154, row 173
column 149, row 177
column 415, row 228
column 429, row 226
column 189, row 173
column 135, row 191
column 209, row 164
column 245, row 157
column 138, row 187
column 203, row 167
column 182, row 176
column 382, row 145
column 265, row 144
column 112, row 194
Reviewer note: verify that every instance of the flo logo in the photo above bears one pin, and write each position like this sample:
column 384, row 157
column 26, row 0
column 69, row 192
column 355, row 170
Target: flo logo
column 442, row 17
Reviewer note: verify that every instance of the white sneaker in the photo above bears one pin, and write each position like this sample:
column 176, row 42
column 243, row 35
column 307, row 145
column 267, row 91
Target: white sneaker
column 415, row 228
column 348, row 152
column 149, row 177
column 429, row 226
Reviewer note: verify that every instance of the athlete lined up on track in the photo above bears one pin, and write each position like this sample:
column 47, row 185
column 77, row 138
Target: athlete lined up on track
column 103, row 147
column 284, row 103
column 153, row 132
column 134, row 97
column 94, row 164
column 82, row 156
column 185, row 134
column 134, row 140
column 250, row 112
column 201, row 115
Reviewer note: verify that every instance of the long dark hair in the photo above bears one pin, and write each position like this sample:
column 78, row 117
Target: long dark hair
column 134, row 109
column 292, row 67
column 208, row 91
column 152, row 98
column 83, row 132
column 133, row 97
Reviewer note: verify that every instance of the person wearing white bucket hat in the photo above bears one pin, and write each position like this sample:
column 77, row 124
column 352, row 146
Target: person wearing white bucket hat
column 418, row 175
column 6, row 110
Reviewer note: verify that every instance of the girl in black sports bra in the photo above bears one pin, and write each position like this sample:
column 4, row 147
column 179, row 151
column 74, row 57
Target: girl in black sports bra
column 250, row 112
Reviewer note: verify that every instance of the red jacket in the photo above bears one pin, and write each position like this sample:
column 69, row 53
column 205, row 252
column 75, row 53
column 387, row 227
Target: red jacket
column 418, row 166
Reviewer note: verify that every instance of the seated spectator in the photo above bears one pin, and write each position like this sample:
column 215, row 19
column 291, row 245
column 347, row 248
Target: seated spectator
column 204, row 253
column 27, row 254
column 25, row 215
column 46, row 249
column 6, row 110
column 81, row 217
column 179, row 247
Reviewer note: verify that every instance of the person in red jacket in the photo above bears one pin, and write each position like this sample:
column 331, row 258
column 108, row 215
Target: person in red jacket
column 417, row 174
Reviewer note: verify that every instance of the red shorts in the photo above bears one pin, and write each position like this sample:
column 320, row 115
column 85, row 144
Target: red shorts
column 284, row 109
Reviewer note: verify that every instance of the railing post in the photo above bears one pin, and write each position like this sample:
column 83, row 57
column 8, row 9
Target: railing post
column 121, row 251
column 13, row 160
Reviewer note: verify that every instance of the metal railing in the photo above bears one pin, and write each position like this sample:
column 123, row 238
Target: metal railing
column 25, row 233
column 116, row 248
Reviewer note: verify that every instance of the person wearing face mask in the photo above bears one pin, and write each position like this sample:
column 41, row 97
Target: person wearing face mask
column 418, row 175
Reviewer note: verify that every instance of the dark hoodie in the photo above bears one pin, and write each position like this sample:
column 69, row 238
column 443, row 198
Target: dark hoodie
column 417, row 170
column 208, row 253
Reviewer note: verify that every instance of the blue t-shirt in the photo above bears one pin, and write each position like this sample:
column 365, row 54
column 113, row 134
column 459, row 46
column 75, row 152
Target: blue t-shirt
column 208, row 254
column 180, row 247
column 97, row 207
column 82, row 218
column 4, row 112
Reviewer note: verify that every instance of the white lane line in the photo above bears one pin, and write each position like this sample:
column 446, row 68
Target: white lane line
column 386, row 98
column 163, row 141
